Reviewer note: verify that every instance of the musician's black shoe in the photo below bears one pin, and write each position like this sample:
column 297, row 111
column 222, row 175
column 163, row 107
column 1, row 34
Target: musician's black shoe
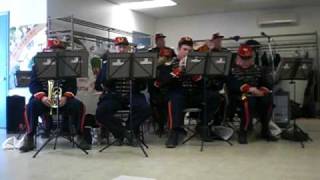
column 172, row 141
column 242, row 139
column 131, row 140
column 119, row 142
column 269, row 137
column 28, row 144
column 83, row 143
column 181, row 131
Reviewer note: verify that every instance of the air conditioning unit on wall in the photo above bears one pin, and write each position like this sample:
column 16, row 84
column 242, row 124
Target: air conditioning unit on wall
column 279, row 19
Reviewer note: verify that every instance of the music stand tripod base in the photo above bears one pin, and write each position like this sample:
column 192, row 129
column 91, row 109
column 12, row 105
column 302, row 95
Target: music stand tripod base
column 55, row 137
column 295, row 69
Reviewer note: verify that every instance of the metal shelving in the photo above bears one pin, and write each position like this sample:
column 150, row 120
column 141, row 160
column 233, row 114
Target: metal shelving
column 79, row 28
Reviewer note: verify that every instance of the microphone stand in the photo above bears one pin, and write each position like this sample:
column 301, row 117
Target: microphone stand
column 271, row 55
column 272, row 64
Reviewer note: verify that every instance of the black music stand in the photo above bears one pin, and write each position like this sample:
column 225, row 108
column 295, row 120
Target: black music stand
column 209, row 65
column 131, row 66
column 57, row 66
column 23, row 78
column 295, row 69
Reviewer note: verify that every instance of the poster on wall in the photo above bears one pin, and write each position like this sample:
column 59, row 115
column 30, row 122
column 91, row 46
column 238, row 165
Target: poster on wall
column 142, row 40
column 25, row 42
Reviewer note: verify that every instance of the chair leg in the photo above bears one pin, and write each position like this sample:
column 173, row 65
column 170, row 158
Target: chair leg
column 142, row 137
column 108, row 137
column 73, row 144
column 194, row 132
column 35, row 140
column 55, row 143
column 189, row 138
column 142, row 133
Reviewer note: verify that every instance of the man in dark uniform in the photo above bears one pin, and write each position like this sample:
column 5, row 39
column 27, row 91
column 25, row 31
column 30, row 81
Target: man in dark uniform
column 215, row 44
column 157, row 95
column 116, row 97
column 249, row 87
column 161, row 44
column 40, row 103
column 183, row 91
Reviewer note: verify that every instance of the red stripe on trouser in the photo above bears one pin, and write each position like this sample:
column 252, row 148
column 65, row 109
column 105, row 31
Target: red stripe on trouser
column 246, row 114
column 170, row 115
column 26, row 121
column 168, row 119
column 82, row 118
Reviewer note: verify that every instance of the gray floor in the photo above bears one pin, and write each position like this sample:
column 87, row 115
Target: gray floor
column 259, row 160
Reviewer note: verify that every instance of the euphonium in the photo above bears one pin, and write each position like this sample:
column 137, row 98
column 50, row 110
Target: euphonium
column 54, row 95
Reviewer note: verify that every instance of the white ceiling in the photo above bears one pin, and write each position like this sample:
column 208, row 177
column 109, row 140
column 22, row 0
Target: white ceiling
column 193, row 7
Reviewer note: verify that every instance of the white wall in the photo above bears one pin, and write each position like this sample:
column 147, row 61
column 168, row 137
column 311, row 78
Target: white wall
column 25, row 12
column 237, row 23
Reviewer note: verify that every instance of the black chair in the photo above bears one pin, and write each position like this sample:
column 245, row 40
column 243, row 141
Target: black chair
column 189, row 112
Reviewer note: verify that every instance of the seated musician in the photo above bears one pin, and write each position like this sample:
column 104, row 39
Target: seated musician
column 216, row 42
column 157, row 95
column 161, row 45
column 249, row 87
column 115, row 97
column 213, row 45
column 183, row 91
column 40, row 103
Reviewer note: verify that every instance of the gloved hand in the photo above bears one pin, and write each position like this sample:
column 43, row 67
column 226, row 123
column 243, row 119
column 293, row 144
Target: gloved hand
column 176, row 72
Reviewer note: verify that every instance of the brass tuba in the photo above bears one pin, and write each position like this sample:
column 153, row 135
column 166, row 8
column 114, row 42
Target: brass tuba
column 54, row 95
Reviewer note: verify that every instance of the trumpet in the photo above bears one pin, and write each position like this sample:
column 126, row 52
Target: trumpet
column 54, row 95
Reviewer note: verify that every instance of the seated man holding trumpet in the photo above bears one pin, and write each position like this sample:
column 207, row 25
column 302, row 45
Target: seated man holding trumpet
column 182, row 92
column 43, row 101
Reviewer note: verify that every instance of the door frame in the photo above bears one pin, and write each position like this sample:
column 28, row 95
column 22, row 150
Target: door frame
column 4, row 66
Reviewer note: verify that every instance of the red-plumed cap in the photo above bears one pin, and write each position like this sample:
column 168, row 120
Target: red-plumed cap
column 245, row 51
column 121, row 41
